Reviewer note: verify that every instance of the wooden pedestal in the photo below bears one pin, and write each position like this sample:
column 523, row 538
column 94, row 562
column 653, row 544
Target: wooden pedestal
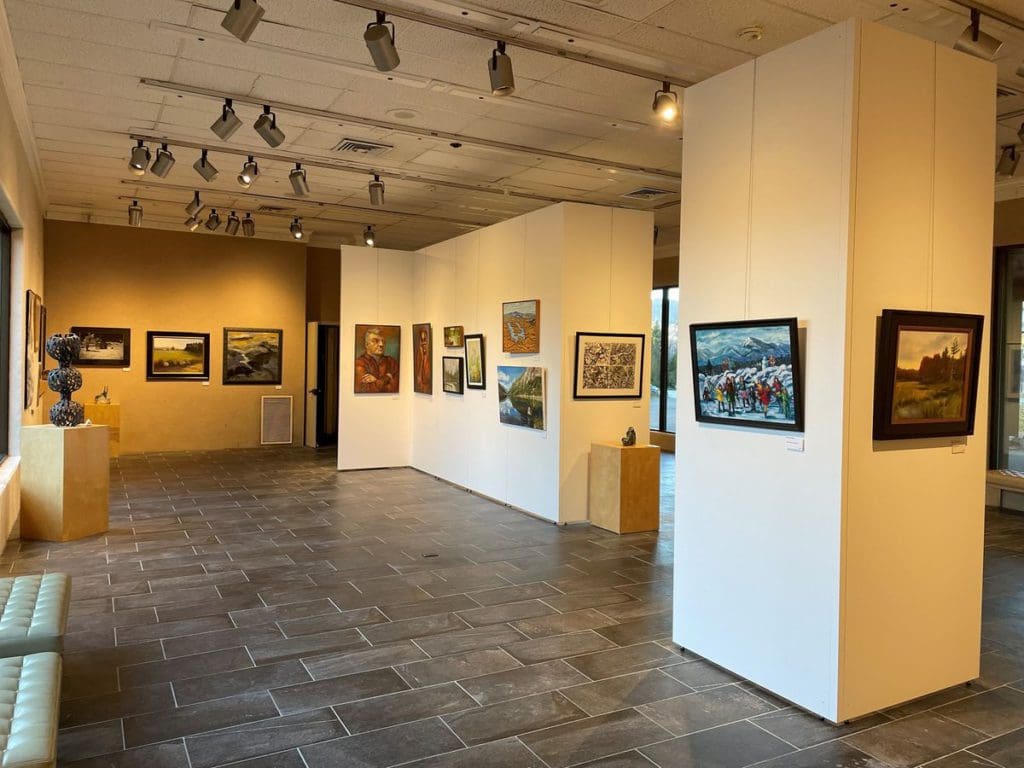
column 65, row 482
column 625, row 486
column 110, row 415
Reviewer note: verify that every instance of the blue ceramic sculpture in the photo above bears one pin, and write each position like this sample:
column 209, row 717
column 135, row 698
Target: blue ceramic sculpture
column 64, row 348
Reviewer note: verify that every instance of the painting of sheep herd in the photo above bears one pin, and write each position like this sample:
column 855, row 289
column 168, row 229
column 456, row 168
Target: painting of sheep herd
column 252, row 355
column 747, row 373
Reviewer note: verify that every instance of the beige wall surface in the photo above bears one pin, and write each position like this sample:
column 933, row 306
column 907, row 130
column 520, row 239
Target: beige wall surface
column 1009, row 223
column 168, row 281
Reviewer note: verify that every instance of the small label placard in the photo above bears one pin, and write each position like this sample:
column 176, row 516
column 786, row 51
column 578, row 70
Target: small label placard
column 795, row 444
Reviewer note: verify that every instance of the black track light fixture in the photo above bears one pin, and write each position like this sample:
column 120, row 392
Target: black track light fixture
column 192, row 223
column 297, row 176
column 1009, row 159
column 499, row 67
column 368, row 236
column 228, row 122
column 242, row 17
column 233, row 223
column 250, row 170
column 204, row 167
column 139, row 160
column 376, row 191
column 135, row 214
column 213, row 221
column 248, row 225
column 163, row 163
column 266, row 126
column 296, row 228
column 194, row 206
column 380, row 41
column 666, row 103
column 975, row 42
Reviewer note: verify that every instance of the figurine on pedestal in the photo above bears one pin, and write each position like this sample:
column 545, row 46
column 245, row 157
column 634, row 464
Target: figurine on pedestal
column 64, row 348
column 630, row 438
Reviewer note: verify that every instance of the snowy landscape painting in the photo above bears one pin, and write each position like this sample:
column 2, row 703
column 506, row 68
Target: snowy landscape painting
column 747, row 373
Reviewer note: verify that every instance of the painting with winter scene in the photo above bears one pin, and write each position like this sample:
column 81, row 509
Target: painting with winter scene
column 926, row 374
column 747, row 373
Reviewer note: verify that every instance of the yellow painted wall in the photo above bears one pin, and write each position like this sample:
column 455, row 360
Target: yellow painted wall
column 170, row 281
column 323, row 276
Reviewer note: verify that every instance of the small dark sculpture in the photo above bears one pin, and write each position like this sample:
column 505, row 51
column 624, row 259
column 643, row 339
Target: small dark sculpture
column 64, row 348
column 630, row 438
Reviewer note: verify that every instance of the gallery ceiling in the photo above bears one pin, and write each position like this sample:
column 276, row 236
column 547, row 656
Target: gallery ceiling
column 98, row 74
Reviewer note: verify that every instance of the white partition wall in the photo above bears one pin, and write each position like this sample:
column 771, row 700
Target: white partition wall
column 842, row 175
column 589, row 266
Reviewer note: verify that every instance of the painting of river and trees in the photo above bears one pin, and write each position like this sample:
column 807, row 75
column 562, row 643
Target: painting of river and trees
column 521, row 396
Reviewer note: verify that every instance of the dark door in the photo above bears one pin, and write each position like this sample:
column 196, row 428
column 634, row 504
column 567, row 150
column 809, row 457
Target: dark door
column 327, row 385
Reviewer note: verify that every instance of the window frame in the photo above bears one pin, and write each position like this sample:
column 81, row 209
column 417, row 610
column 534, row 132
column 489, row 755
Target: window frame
column 663, row 358
column 6, row 245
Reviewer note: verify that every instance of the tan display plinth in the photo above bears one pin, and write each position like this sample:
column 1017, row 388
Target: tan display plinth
column 110, row 415
column 625, row 487
column 65, row 482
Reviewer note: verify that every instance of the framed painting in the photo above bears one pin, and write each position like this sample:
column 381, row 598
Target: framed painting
column 520, row 326
column 177, row 355
column 33, row 346
column 423, row 359
column 42, row 353
column 453, row 335
column 252, row 355
column 747, row 374
column 451, row 375
column 106, row 347
column 609, row 365
column 378, row 350
column 926, row 374
column 522, row 396
column 476, row 372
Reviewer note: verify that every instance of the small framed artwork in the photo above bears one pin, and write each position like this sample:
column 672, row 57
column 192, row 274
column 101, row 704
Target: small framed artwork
column 522, row 396
column 423, row 359
column 476, row 372
column 106, row 347
column 453, row 336
column 609, row 365
column 378, row 350
column 34, row 345
column 177, row 355
column 520, row 326
column 746, row 373
column 926, row 374
column 451, row 375
column 252, row 355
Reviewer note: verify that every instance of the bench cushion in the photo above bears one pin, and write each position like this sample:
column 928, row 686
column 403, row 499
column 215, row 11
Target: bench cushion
column 29, row 706
column 33, row 613
column 1005, row 478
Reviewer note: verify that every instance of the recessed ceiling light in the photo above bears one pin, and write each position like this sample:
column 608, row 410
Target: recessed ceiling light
column 403, row 114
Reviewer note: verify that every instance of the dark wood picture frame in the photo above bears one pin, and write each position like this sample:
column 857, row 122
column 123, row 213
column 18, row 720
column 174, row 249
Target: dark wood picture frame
column 231, row 378
column 888, row 375
column 125, row 335
column 151, row 336
column 422, row 382
column 456, row 386
column 470, row 383
column 636, row 390
column 796, row 422
column 454, row 335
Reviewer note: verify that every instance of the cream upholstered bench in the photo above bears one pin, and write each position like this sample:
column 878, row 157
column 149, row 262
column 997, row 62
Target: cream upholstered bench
column 33, row 614
column 1000, row 480
column 29, row 706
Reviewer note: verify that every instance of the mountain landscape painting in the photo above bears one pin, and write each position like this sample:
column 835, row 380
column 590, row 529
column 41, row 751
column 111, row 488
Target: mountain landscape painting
column 747, row 373
column 521, row 396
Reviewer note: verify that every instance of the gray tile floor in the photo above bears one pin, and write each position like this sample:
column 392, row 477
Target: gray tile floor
column 259, row 609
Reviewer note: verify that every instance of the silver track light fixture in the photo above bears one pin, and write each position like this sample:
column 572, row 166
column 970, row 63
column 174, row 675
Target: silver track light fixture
column 250, row 170
column 266, row 126
column 204, row 167
column 242, row 17
column 666, row 103
column 139, row 160
column 376, row 191
column 380, row 41
column 228, row 122
column 499, row 67
column 194, row 206
column 233, row 223
column 1008, row 161
column 163, row 163
column 296, row 228
column 368, row 237
column 192, row 222
column 213, row 221
column 975, row 42
column 248, row 225
column 135, row 214
column 297, row 176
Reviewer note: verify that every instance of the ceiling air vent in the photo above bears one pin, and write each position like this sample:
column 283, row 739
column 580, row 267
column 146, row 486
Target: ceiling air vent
column 1006, row 92
column 274, row 209
column 647, row 193
column 361, row 147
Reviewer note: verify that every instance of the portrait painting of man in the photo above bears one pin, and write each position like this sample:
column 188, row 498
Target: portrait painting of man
column 378, row 349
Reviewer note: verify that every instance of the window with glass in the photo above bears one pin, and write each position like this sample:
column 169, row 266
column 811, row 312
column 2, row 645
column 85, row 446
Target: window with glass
column 1007, row 428
column 664, row 349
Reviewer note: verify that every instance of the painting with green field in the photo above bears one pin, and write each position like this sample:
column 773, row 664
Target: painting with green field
column 930, row 363
column 177, row 355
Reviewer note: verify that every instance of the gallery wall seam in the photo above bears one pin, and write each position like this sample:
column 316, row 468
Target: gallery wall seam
column 931, row 196
column 748, row 275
